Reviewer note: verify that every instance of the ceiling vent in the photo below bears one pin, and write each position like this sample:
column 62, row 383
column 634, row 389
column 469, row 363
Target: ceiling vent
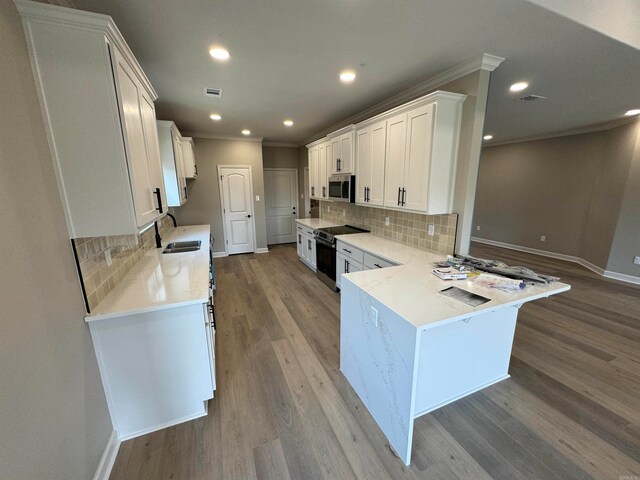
column 213, row 92
column 531, row 98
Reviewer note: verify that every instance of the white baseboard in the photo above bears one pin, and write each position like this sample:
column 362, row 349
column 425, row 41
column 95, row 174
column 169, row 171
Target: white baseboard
column 623, row 277
column 219, row 254
column 262, row 250
column 108, row 457
column 561, row 256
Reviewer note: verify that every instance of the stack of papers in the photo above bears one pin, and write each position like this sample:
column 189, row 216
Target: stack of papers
column 450, row 274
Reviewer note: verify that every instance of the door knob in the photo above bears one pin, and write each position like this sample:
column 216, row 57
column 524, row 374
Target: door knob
column 248, row 216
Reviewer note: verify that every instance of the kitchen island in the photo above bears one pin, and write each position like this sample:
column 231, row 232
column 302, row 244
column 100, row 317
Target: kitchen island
column 407, row 350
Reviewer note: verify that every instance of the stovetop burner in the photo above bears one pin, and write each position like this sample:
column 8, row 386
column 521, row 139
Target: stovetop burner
column 329, row 233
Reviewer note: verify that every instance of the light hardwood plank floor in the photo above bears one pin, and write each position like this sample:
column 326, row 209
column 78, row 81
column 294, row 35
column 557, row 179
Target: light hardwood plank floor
column 283, row 410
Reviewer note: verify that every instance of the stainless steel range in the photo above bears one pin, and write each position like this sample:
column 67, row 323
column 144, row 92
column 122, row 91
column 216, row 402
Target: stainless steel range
column 326, row 251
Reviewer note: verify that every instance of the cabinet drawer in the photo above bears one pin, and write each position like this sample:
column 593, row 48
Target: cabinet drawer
column 308, row 231
column 372, row 262
column 348, row 251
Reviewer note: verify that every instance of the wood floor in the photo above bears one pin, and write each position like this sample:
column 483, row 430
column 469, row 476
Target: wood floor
column 571, row 409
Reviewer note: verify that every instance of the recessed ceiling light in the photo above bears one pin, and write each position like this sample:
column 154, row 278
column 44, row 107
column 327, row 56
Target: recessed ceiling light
column 219, row 53
column 518, row 86
column 635, row 111
column 288, row 123
column 487, row 137
column 215, row 116
column 347, row 76
column 246, row 132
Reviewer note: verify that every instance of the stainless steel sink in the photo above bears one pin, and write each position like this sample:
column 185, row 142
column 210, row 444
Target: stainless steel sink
column 182, row 247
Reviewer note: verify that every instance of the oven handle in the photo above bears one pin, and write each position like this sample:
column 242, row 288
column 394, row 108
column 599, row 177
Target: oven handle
column 324, row 242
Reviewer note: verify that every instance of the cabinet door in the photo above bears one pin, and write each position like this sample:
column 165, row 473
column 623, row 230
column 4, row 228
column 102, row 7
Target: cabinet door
column 395, row 156
column 346, row 148
column 188, row 158
column 341, row 267
column 129, row 99
column 300, row 245
column 310, row 250
column 321, row 191
column 363, row 163
column 182, row 182
column 154, row 162
column 375, row 194
column 313, row 171
column 418, row 157
column 333, row 162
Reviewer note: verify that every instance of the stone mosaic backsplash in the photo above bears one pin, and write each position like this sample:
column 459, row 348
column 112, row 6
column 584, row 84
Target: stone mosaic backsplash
column 126, row 250
column 404, row 227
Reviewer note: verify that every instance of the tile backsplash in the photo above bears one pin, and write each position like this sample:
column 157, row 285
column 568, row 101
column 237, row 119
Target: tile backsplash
column 408, row 228
column 126, row 250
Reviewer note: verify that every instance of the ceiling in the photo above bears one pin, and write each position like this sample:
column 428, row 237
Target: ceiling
column 286, row 56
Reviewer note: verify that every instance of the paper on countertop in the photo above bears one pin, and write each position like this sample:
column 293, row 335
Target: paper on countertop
column 501, row 283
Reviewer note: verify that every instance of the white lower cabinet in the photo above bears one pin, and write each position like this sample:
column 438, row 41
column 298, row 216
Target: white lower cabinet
column 350, row 259
column 157, row 368
column 306, row 245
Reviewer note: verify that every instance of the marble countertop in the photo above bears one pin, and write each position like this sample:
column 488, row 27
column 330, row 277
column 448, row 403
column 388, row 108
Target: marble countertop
column 160, row 281
column 315, row 223
column 412, row 291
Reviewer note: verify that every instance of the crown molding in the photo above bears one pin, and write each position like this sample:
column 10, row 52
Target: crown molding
column 221, row 136
column 484, row 62
column 280, row 144
column 599, row 127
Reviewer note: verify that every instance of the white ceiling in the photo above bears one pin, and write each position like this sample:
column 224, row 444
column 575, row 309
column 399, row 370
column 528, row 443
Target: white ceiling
column 286, row 56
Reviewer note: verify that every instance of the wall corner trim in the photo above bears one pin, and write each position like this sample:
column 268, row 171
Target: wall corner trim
column 561, row 256
column 262, row 250
column 108, row 457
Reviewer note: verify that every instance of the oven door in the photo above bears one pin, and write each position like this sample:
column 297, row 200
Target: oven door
column 326, row 262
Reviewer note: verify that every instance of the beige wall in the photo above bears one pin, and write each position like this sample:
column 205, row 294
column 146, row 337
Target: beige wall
column 280, row 157
column 530, row 189
column 203, row 206
column 53, row 414
column 581, row 191
column 626, row 242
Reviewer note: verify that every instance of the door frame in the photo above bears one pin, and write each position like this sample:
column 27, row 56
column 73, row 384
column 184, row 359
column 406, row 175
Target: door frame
column 307, row 199
column 296, row 197
column 223, row 213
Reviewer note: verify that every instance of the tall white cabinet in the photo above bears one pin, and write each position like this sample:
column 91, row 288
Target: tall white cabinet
column 370, row 163
column 173, row 164
column 100, row 120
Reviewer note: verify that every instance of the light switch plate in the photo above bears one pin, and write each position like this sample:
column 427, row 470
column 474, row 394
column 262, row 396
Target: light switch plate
column 107, row 257
column 636, row 260
column 543, row 238
column 257, row 198
column 478, row 228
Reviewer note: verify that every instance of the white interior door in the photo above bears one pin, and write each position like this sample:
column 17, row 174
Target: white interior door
column 281, row 201
column 237, row 209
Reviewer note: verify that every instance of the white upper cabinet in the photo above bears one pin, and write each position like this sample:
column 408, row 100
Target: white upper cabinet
column 189, row 157
column 370, row 163
column 324, row 153
column 98, row 109
column 419, row 155
column 173, row 168
column 313, row 172
column 342, row 152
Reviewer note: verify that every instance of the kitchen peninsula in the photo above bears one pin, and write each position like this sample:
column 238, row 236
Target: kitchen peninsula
column 407, row 350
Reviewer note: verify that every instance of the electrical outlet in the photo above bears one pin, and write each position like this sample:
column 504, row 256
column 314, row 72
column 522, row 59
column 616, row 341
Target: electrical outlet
column 386, row 221
column 257, row 198
column 478, row 228
column 374, row 316
column 432, row 229
column 328, row 208
column 636, row 260
column 107, row 257
column 344, row 212
column 543, row 238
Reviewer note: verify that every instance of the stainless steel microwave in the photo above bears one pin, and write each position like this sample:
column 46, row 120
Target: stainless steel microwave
column 342, row 188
